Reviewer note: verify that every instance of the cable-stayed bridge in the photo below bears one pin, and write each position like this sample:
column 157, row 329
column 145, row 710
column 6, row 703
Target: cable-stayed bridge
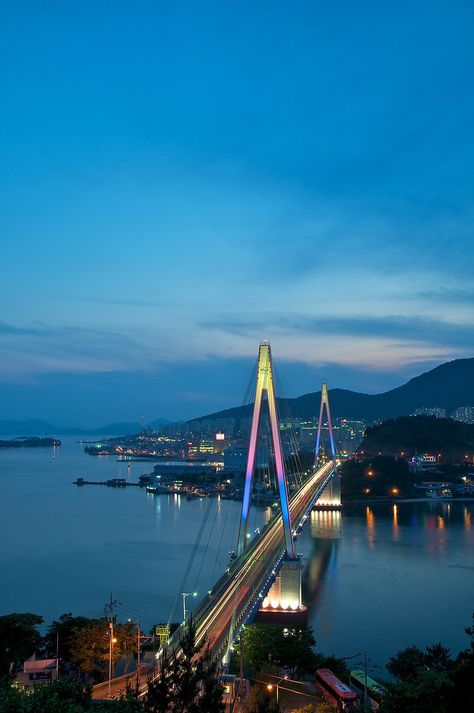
column 265, row 573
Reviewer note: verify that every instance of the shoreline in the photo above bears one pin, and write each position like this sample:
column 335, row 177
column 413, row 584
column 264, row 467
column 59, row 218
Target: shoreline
column 406, row 500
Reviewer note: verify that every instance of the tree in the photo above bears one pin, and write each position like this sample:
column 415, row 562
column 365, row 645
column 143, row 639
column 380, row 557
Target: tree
column 463, row 675
column 407, row 664
column 19, row 638
column 62, row 696
column 211, row 689
column 63, row 632
column 188, row 682
column 289, row 648
column 90, row 647
column 261, row 702
column 316, row 708
column 430, row 693
column 159, row 695
column 438, row 658
column 337, row 666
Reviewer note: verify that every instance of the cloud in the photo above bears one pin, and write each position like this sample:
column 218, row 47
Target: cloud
column 43, row 348
column 405, row 329
column 459, row 296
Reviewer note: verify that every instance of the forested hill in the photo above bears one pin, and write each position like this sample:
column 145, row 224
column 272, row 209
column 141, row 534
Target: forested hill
column 447, row 386
column 420, row 434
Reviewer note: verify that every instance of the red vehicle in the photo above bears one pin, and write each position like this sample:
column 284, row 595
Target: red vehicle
column 335, row 691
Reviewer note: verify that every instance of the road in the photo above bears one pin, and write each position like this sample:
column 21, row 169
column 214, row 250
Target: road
column 244, row 584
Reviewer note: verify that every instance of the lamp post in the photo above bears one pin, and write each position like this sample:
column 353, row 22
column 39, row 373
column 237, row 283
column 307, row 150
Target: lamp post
column 270, row 686
column 184, row 595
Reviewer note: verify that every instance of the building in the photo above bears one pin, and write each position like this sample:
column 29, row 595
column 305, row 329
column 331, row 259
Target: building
column 37, row 671
column 464, row 413
column 235, row 458
column 307, row 436
column 348, row 434
column 430, row 411
column 423, row 464
column 203, row 447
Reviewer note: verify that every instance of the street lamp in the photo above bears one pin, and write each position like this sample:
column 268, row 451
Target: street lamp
column 184, row 595
column 270, row 686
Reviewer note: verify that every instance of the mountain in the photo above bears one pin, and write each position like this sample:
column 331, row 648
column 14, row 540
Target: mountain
column 35, row 427
column 447, row 386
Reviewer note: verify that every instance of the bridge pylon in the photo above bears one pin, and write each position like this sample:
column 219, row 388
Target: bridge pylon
column 331, row 497
column 265, row 385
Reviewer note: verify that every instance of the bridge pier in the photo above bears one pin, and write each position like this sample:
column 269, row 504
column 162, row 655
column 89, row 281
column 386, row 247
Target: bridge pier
column 330, row 498
column 283, row 603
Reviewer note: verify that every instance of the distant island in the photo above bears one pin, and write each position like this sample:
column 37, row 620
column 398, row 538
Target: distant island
column 30, row 442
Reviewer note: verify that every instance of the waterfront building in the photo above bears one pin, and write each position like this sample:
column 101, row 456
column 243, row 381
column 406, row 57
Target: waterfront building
column 235, row 458
column 423, row 464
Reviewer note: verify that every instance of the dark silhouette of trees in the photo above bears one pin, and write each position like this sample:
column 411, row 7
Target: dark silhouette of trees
column 19, row 638
column 188, row 680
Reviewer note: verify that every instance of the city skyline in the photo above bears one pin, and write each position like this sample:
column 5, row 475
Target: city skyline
column 181, row 182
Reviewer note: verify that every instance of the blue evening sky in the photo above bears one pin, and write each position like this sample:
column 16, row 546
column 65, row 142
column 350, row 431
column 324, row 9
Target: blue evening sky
column 182, row 179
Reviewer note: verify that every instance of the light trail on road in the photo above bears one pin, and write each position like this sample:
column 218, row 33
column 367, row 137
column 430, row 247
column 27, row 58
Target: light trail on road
column 244, row 584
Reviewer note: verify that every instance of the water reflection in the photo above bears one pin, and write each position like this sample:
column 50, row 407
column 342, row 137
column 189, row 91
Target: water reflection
column 379, row 571
column 326, row 532
column 370, row 520
column 395, row 529
column 467, row 519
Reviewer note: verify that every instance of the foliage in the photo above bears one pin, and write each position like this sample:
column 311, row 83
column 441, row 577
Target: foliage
column 378, row 475
column 422, row 434
column 407, row 664
column 260, row 701
column 19, row 638
column 430, row 681
column 63, row 632
column 90, row 646
column 62, row 696
column 337, row 666
column 188, row 683
column 289, row 648
column 429, row 693
column 318, row 708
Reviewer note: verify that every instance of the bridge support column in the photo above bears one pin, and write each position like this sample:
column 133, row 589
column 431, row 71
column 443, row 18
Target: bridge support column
column 283, row 603
column 330, row 498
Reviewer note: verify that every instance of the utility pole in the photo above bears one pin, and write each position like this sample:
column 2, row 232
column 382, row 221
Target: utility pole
column 365, row 680
column 138, row 652
column 110, row 606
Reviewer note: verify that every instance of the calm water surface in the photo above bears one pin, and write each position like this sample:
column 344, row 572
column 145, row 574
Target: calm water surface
column 376, row 578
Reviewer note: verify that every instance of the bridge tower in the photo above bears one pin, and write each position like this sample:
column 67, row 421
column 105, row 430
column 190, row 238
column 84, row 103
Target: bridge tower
column 285, row 593
column 331, row 497
column 265, row 385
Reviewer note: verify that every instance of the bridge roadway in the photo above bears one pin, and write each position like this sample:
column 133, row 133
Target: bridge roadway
column 244, row 584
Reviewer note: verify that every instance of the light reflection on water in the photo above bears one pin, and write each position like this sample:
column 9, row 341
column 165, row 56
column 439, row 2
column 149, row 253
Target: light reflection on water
column 399, row 574
column 377, row 577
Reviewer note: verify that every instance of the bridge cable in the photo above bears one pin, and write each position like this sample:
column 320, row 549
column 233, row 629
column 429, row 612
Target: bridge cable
column 211, row 530
column 191, row 559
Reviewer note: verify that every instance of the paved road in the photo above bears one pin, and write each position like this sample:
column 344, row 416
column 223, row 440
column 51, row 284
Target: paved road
column 243, row 585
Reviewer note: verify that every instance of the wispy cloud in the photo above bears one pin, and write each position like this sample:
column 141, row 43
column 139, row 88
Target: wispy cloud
column 415, row 329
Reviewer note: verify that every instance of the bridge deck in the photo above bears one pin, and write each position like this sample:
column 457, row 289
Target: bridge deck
column 241, row 589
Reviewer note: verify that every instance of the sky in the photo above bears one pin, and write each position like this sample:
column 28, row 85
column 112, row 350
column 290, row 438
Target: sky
column 182, row 180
